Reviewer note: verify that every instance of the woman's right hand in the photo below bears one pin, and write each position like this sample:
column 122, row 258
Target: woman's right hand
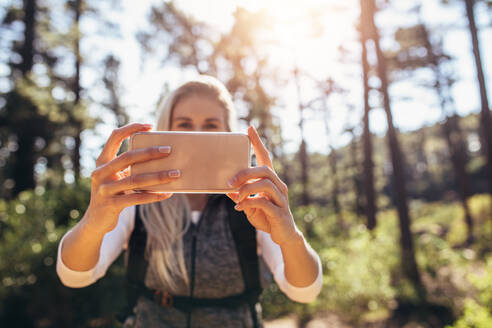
column 112, row 186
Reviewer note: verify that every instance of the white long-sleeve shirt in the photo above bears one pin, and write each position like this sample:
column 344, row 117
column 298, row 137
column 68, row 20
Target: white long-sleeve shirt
column 117, row 239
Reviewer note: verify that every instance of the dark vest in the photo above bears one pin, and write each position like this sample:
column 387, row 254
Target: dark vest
column 225, row 272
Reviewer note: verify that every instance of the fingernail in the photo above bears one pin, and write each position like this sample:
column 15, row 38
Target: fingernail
column 231, row 182
column 237, row 207
column 174, row 173
column 165, row 149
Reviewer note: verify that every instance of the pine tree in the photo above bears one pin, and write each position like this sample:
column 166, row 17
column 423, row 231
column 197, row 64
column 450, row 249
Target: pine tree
column 368, row 169
column 411, row 39
column 31, row 114
column 485, row 120
column 408, row 261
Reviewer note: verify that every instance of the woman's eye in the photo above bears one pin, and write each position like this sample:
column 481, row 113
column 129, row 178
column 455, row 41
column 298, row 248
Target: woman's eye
column 211, row 126
column 184, row 125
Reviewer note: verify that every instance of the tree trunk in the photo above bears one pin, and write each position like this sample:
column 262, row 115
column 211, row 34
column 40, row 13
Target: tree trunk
column 485, row 120
column 408, row 262
column 335, row 189
column 279, row 154
column 27, row 50
column 370, row 202
column 77, row 90
column 111, row 82
column 303, row 155
column 457, row 153
column 356, row 178
column 452, row 134
column 25, row 158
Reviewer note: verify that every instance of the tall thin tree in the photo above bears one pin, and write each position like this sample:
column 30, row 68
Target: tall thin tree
column 485, row 120
column 303, row 155
column 436, row 60
column 450, row 127
column 77, row 89
column 333, row 165
column 111, row 82
column 23, row 127
column 354, row 150
column 368, row 167
column 408, row 261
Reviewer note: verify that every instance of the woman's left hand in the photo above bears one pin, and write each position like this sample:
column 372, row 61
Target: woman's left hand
column 269, row 209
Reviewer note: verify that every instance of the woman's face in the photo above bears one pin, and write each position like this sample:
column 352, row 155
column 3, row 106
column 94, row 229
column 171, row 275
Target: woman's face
column 198, row 113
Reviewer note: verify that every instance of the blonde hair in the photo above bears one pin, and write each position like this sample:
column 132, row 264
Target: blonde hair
column 167, row 221
column 206, row 86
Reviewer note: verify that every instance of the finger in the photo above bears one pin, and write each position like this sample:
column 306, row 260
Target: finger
column 233, row 196
column 259, row 172
column 257, row 219
column 126, row 172
column 262, row 156
column 258, row 203
column 116, row 138
column 123, row 174
column 140, row 198
column 264, row 186
column 138, row 181
column 130, row 157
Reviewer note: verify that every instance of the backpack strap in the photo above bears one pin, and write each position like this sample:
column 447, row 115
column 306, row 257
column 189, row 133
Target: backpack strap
column 244, row 235
column 137, row 265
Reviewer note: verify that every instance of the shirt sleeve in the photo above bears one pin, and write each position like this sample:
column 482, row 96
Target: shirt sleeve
column 272, row 254
column 113, row 243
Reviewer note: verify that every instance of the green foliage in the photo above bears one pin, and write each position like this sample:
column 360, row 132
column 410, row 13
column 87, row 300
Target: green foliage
column 358, row 275
column 477, row 310
column 357, row 266
column 31, row 294
column 474, row 315
column 482, row 282
column 363, row 281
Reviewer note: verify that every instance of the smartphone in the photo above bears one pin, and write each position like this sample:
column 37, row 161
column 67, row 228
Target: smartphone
column 207, row 160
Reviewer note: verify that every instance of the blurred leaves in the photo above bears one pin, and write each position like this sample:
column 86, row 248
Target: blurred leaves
column 31, row 294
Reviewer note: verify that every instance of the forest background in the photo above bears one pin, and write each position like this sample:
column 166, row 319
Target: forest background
column 376, row 114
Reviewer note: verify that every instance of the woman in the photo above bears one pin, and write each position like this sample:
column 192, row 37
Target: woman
column 86, row 251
